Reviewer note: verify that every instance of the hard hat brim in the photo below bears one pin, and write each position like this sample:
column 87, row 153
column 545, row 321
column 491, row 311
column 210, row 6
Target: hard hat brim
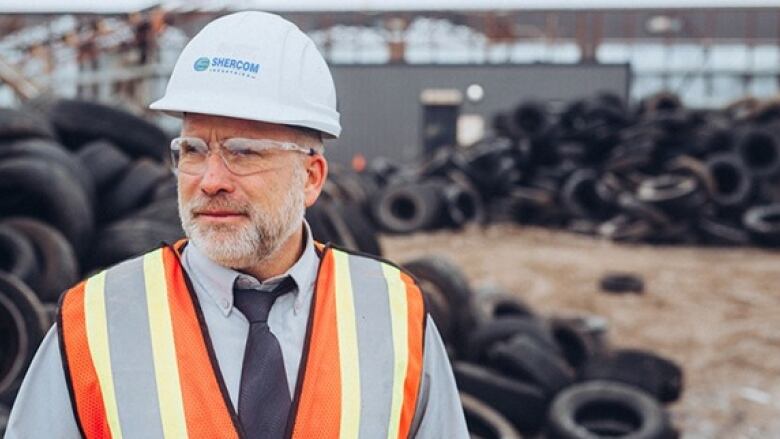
column 270, row 113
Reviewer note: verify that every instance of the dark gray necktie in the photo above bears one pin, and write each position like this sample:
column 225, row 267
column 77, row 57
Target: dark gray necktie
column 264, row 396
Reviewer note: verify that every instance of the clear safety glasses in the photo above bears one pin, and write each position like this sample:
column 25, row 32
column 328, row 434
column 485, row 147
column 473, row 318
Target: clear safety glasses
column 241, row 156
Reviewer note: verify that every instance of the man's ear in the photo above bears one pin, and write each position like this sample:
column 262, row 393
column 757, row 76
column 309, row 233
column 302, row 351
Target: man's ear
column 316, row 167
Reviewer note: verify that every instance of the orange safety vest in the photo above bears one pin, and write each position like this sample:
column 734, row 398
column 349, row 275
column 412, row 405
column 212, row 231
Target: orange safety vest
column 139, row 362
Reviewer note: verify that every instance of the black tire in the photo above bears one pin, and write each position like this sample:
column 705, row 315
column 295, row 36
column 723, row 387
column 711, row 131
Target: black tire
column 763, row 224
column 759, row 149
column 104, row 161
column 29, row 187
column 23, row 323
column 523, row 404
column 658, row 376
column 54, row 155
column 679, row 196
column 624, row 228
column 603, row 405
column 491, row 302
column 448, row 279
column 359, row 225
column 622, row 283
column 715, row 231
column 17, row 256
column 165, row 210
column 166, row 189
column 59, row 266
column 78, row 122
column 20, row 124
column 579, row 338
column 581, row 198
column 732, row 181
column 5, row 412
column 132, row 190
column 484, row 421
column 461, row 204
column 129, row 238
column 483, row 337
column 525, row 359
column 408, row 208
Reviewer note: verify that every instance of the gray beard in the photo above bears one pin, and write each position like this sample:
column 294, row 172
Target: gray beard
column 244, row 246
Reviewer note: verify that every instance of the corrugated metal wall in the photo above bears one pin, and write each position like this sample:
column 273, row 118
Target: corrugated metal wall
column 381, row 113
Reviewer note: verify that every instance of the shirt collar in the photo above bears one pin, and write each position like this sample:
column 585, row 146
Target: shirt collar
column 218, row 281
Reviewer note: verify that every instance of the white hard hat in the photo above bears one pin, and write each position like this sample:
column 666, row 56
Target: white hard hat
column 256, row 66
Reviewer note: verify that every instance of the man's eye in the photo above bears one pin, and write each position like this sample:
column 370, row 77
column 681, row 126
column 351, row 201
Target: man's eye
column 190, row 148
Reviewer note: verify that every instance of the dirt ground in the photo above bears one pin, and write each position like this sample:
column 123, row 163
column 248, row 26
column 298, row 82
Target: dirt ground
column 715, row 311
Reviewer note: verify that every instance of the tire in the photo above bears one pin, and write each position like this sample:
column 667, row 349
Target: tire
column 644, row 211
column 408, row 208
column 132, row 190
column 24, row 323
column 483, row 337
column 461, row 205
column 523, row 358
column 17, row 256
column 5, row 412
column 660, row 377
column 360, row 227
column 580, row 197
column 759, row 150
column 530, row 118
column 165, row 210
column 622, row 283
column 763, row 224
column 677, row 195
column 484, row 421
column 733, row 184
column 579, row 338
column 447, row 278
column 522, row 404
column 601, row 403
column 59, row 266
column 722, row 233
column 624, row 228
column 78, row 122
column 29, row 187
column 129, row 238
column 20, row 124
column 104, row 161
column 53, row 154
column 492, row 302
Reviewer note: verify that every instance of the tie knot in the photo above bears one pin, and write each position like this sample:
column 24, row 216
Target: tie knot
column 256, row 304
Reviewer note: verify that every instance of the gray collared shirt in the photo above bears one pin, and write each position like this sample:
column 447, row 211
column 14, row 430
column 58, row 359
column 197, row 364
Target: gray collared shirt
column 43, row 408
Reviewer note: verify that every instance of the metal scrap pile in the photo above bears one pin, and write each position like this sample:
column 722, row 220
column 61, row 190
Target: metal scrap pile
column 660, row 173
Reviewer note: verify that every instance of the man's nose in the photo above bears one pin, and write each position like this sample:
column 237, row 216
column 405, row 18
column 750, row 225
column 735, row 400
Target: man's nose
column 216, row 177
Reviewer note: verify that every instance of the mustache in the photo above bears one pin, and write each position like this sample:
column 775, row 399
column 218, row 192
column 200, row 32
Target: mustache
column 219, row 202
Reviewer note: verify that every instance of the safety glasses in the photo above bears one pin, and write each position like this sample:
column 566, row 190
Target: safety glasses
column 241, row 156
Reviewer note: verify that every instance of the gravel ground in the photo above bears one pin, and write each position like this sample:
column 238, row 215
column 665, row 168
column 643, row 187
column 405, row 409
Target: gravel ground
column 714, row 310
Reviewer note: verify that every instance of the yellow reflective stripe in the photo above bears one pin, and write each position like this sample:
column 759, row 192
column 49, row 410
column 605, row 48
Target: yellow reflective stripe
column 396, row 290
column 97, row 340
column 348, row 348
column 166, row 370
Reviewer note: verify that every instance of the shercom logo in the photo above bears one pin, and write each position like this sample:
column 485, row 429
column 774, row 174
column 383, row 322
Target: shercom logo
column 201, row 64
column 230, row 66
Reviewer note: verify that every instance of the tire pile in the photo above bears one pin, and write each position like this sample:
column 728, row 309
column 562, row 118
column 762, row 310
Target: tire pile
column 82, row 186
column 660, row 173
column 521, row 374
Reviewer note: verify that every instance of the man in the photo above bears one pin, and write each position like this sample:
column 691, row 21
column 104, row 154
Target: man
column 250, row 328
